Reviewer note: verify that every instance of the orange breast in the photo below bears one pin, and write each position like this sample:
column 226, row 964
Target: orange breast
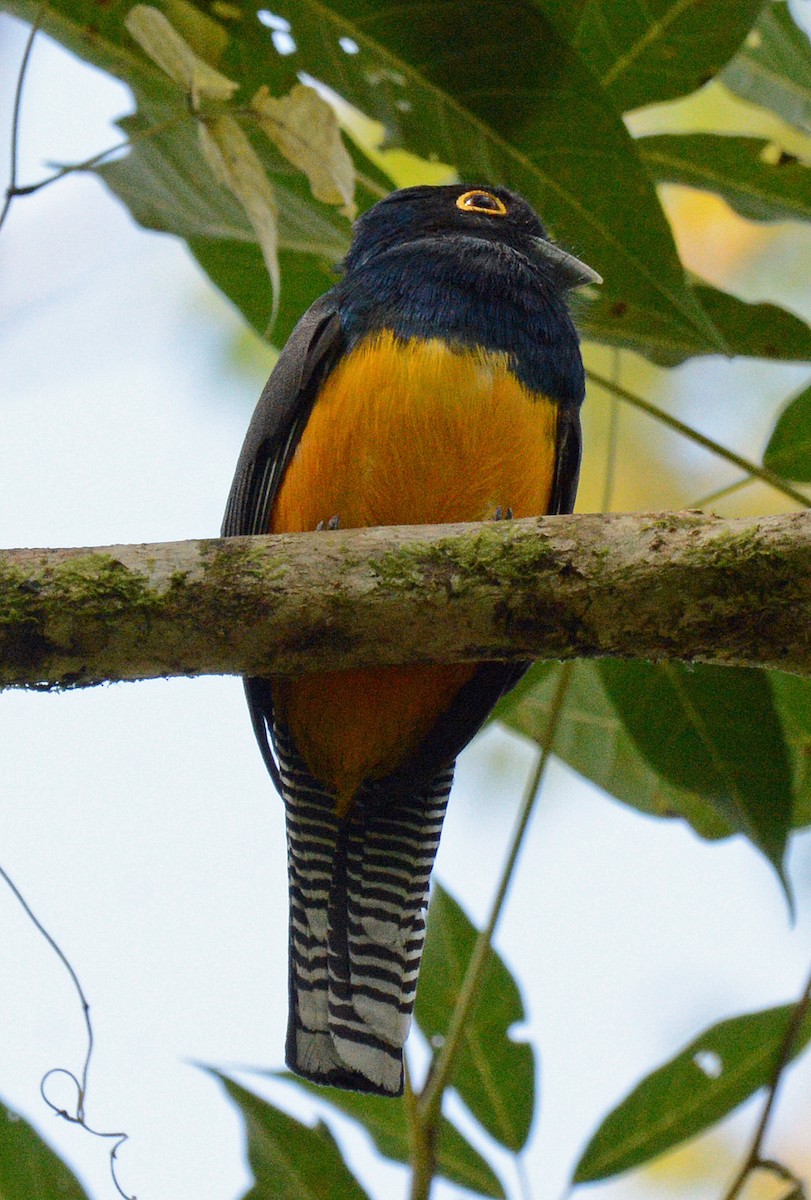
column 404, row 433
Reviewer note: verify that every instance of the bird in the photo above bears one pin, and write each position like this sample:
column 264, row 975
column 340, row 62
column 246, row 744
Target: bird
column 439, row 380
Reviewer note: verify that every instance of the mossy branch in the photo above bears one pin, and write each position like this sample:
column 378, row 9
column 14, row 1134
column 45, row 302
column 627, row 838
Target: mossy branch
column 658, row 586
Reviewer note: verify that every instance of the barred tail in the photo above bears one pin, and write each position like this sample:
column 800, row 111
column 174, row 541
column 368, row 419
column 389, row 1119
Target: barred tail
column 358, row 889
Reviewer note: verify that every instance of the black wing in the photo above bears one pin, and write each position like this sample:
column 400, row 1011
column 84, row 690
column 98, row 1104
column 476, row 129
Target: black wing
column 311, row 351
column 280, row 415
column 567, row 466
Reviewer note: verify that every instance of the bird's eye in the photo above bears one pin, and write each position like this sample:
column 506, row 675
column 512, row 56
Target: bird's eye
column 483, row 202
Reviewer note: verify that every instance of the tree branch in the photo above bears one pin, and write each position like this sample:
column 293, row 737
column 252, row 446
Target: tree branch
column 668, row 586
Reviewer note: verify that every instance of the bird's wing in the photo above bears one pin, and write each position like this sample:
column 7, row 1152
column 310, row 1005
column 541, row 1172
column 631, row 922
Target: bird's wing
column 281, row 413
column 284, row 406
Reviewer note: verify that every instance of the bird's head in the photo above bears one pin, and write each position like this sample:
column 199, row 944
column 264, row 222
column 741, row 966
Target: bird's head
column 463, row 211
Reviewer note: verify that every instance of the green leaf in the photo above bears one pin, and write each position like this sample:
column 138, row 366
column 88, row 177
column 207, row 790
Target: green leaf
column 289, row 1160
column 707, row 1080
column 647, row 53
column 166, row 186
column 713, row 730
column 792, row 697
column 753, row 330
column 756, row 330
column 565, row 15
column 789, row 450
column 29, row 1169
column 165, row 183
column 774, row 67
column 758, row 184
column 494, row 1075
column 386, row 1121
column 237, row 269
column 511, row 118
column 593, row 740
column 520, row 130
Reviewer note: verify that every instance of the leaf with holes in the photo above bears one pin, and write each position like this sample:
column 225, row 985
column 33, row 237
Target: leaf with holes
column 514, row 119
column 493, row 1074
column 751, row 175
column 706, row 1081
column 537, row 121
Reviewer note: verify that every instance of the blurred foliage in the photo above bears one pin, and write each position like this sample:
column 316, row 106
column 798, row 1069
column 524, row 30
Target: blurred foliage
column 694, row 208
column 29, row 1169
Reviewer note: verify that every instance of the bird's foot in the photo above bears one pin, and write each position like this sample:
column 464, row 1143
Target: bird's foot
column 333, row 523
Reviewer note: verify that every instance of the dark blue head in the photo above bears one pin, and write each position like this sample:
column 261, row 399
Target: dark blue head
column 463, row 211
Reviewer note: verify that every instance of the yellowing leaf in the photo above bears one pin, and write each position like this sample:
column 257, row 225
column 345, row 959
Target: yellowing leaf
column 236, row 164
column 206, row 36
column 164, row 45
column 305, row 129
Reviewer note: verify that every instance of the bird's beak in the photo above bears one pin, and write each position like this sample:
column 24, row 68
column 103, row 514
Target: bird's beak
column 570, row 271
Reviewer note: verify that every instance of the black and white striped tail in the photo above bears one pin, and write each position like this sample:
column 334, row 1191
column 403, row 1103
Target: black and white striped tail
column 358, row 890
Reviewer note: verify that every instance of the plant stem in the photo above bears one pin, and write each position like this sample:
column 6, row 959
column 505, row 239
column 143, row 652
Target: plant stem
column 754, row 1160
column 118, row 1137
column 700, row 439
column 613, row 439
column 722, row 492
column 425, row 1115
column 11, row 190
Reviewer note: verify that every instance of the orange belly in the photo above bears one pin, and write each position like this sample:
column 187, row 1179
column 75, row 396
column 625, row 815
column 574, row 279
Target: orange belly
column 404, row 433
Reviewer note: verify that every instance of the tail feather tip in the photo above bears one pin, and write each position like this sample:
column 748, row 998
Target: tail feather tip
column 319, row 1058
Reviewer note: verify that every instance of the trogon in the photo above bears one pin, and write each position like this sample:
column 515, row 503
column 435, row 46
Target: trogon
column 439, row 380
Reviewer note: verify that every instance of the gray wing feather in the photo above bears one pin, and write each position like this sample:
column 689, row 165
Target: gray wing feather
column 280, row 415
column 276, row 426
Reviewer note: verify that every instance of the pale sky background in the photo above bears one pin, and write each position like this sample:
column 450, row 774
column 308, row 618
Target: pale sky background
column 139, row 821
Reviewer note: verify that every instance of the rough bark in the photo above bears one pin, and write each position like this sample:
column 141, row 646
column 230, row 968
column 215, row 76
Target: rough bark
column 657, row 586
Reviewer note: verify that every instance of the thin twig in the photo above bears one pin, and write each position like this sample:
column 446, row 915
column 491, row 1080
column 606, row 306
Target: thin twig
column 88, row 164
column 721, row 493
column 613, row 439
column 11, row 190
column 79, row 1117
column 754, row 1160
column 430, row 1102
column 700, row 439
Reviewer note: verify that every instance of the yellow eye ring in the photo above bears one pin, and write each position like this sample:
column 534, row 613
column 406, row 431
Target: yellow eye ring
column 483, row 202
